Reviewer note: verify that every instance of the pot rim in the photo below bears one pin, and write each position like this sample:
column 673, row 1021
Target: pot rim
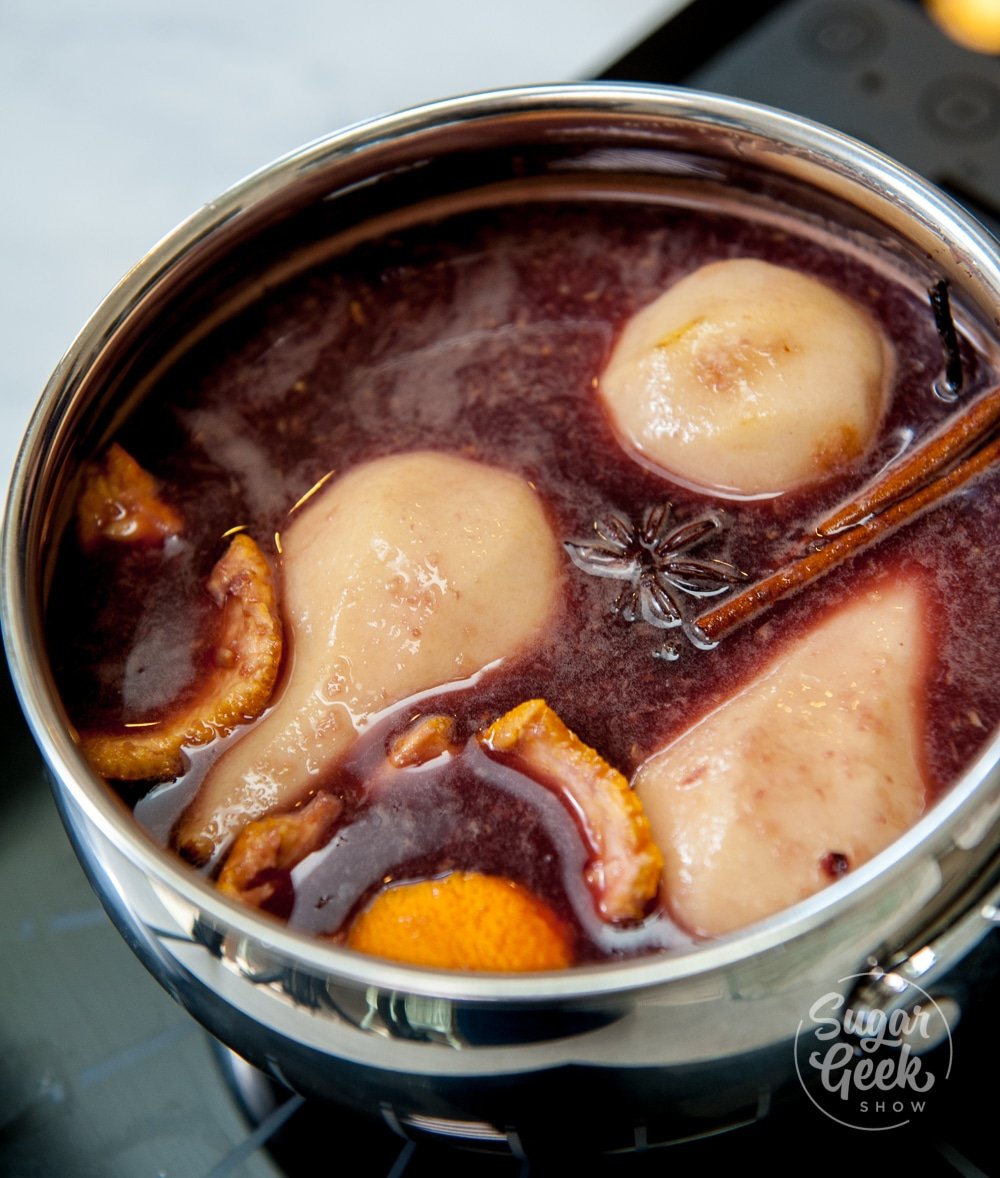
column 957, row 242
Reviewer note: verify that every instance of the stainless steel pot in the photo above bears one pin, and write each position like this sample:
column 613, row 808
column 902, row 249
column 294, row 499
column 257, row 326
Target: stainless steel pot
column 609, row 1056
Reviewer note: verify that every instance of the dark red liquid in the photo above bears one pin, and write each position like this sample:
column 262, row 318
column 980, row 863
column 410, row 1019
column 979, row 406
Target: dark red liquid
column 484, row 335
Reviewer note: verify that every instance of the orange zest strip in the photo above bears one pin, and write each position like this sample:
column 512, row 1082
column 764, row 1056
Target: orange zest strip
column 960, row 434
column 426, row 737
column 625, row 864
column 275, row 844
column 247, row 656
column 725, row 618
column 120, row 504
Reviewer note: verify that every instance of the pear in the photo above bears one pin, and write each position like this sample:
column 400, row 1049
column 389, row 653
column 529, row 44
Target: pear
column 748, row 379
column 806, row 773
column 409, row 573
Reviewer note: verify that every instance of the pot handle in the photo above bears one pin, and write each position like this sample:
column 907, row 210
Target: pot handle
column 901, row 983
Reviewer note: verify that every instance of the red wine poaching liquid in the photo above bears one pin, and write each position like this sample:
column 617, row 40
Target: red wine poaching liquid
column 483, row 334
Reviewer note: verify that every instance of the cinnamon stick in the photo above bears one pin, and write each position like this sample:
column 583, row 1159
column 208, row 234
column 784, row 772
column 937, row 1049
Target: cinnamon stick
column 718, row 622
column 961, row 433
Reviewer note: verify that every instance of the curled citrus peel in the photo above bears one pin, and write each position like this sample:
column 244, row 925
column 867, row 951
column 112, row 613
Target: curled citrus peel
column 246, row 656
column 120, row 503
column 465, row 920
column 275, row 844
column 426, row 738
column 625, row 864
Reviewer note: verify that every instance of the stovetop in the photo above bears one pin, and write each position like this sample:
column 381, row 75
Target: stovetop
column 879, row 70
column 102, row 1075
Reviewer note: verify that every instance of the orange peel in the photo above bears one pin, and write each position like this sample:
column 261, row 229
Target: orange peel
column 625, row 864
column 246, row 659
column 275, row 843
column 465, row 920
column 424, row 739
column 120, row 503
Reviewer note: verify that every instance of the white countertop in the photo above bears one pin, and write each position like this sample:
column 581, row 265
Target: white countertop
column 119, row 119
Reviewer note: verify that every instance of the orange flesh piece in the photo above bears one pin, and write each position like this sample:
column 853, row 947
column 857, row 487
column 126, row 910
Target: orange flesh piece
column 246, row 659
column 276, row 843
column 625, row 867
column 119, row 503
column 464, row 921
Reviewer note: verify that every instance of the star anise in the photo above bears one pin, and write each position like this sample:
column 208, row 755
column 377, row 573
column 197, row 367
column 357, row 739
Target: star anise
column 653, row 560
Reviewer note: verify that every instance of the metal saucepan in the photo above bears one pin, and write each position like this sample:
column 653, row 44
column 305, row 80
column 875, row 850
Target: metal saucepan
column 648, row 1050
